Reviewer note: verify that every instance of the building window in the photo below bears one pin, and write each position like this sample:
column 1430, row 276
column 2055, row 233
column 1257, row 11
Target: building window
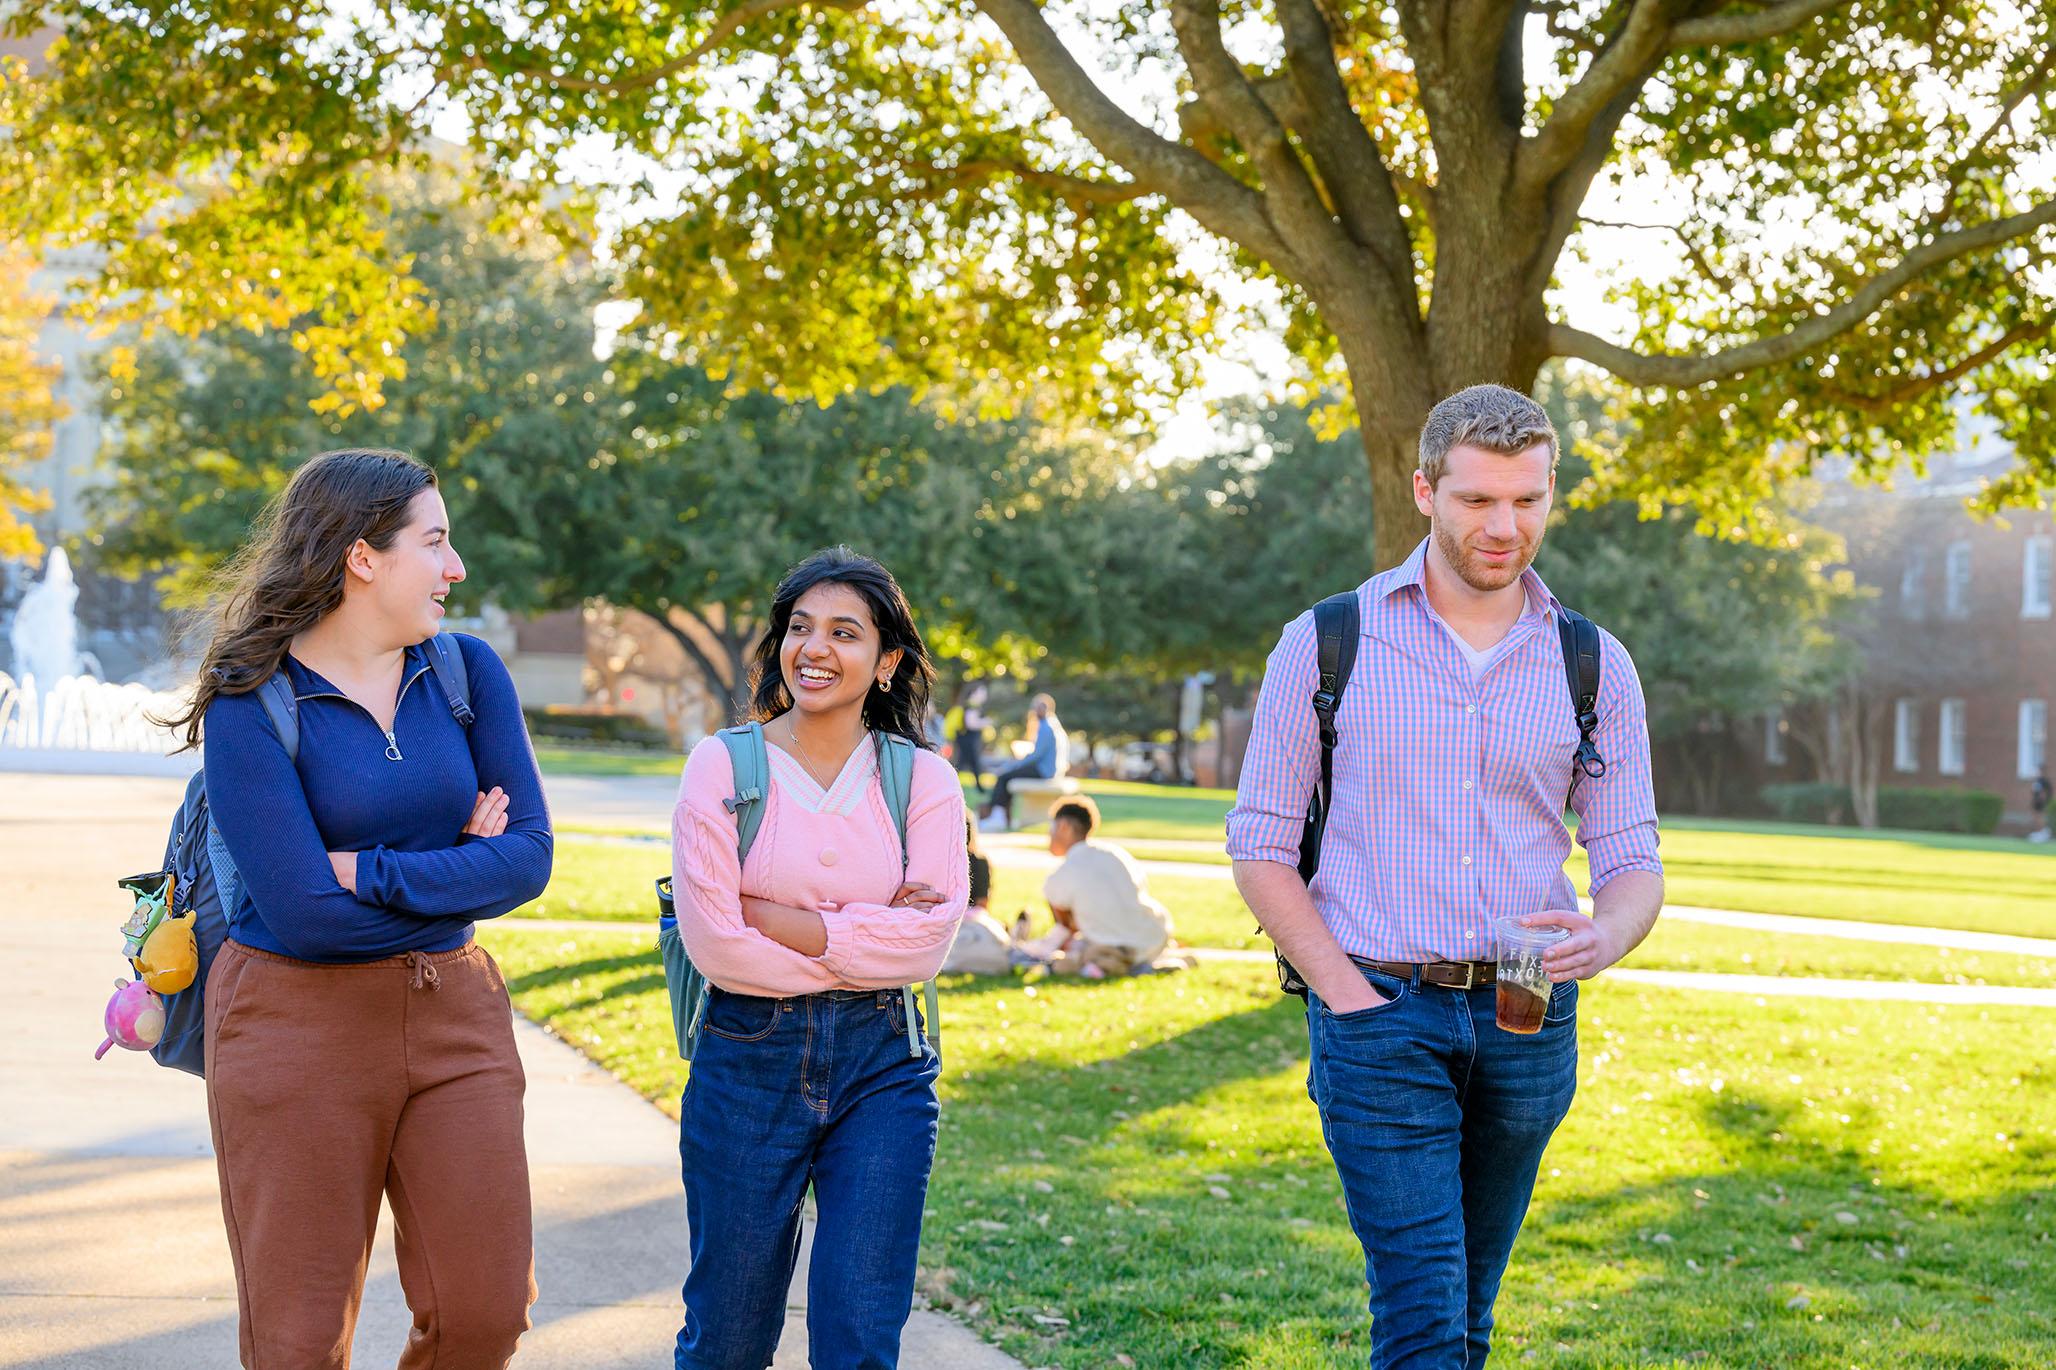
column 1913, row 585
column 1949, row 759
column 2034, row 737
column 1956, row 581
column 2034, row 577
column 1906, row 735
column 1774, row 738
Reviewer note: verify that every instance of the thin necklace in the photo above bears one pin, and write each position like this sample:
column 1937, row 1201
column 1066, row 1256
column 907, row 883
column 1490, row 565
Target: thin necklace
column 813, row 766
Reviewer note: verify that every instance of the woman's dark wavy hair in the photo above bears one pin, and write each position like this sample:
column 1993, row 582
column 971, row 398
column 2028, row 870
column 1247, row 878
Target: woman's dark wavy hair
column 904, row 708
column 289, row 576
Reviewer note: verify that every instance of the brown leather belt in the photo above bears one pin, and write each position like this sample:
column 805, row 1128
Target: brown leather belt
column 1445, row 974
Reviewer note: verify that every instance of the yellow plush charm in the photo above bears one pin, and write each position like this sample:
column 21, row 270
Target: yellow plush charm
column 169, row 958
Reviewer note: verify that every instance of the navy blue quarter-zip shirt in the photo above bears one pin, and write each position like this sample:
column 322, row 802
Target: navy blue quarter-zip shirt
column 400, row 803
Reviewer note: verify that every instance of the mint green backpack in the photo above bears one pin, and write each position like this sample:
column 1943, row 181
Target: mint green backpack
column 752, row 766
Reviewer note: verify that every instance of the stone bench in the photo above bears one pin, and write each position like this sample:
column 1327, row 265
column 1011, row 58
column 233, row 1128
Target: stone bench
column 1032, row 799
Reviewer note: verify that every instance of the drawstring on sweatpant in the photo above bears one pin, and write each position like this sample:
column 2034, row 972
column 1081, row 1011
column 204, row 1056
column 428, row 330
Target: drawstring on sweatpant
column 424, row 972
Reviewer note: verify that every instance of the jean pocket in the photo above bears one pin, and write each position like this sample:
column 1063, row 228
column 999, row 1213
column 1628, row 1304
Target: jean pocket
column 1391, row 986
column 741, row 1017
column 1563, row 1003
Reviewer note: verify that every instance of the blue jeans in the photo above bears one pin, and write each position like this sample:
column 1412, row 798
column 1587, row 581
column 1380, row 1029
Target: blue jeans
column 1437, row 1120
column 785, row 1093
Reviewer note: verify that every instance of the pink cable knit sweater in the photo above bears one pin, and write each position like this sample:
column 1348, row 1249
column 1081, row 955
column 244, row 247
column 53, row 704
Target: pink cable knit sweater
column 839, row 846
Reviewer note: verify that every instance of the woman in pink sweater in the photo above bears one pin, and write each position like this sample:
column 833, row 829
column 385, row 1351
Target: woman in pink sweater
column 803, row 1074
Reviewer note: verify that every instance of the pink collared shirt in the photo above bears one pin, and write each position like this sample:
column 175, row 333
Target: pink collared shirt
column 838, row 845
column 1449, row 788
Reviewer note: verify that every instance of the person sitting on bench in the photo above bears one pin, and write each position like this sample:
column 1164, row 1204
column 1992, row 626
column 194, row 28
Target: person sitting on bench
column 1048, row 757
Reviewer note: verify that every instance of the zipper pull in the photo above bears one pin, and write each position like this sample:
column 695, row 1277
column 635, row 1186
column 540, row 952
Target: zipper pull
column 393, row 747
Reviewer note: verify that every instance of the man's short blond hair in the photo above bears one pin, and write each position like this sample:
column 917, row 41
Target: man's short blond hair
column 1491, row 417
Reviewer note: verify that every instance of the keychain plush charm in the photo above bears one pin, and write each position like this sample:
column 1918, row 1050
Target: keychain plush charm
column 135, row 1018
column 158, row 939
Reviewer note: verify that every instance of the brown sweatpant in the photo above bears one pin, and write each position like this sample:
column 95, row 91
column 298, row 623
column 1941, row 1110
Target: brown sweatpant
column 330, row 1085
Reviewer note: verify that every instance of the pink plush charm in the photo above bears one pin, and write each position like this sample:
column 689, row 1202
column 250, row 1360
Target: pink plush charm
column 135, row 1018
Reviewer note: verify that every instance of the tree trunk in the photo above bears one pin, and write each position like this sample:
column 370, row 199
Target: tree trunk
column 726, row 679
column 1396, row 524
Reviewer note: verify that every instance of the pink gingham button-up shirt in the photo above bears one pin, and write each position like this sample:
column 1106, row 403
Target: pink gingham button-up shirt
column 1449, row 790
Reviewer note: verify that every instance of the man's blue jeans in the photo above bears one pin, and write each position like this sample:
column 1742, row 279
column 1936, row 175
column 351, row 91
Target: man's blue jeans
column 1437, row 1120
column 785, row 1093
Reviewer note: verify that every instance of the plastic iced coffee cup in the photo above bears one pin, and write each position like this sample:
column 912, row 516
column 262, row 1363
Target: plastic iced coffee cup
column 1523, row 996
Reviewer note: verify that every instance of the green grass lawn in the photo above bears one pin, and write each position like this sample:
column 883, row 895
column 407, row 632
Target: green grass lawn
column 556, row 758
column 1816, row 1185
column 1675, row 944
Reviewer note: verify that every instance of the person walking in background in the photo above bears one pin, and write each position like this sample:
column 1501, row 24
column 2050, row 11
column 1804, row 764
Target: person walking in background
column 2038, row 796
column 1048, row 757
column 969, row 740
column 359, row 1043
column 1455, row 752
column 807, row 1073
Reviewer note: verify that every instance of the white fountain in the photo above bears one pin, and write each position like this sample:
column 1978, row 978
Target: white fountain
column 75, row 722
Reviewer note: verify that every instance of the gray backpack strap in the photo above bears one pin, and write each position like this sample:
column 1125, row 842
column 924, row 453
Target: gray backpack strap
column 446, row 659
column 896, row 780
column 276, row 695
column 752, row 767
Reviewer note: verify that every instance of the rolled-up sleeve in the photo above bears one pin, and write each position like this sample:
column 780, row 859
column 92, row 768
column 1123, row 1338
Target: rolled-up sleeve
column 1282, row 764
column 1617, row 812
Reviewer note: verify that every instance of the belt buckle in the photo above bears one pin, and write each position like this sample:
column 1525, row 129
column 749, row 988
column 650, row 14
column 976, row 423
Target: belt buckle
column 1470, row 975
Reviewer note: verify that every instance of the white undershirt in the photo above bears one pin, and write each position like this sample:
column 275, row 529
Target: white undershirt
column 1480, row 659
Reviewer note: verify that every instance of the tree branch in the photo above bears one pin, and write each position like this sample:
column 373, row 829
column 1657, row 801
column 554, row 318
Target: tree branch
column 725, row 28
column 1077, row 189
column 1217, row 200
column 1346, row 156
column 1629, row 58
column 1750, row 26
column 2030, row 84
column 1680, row 371
column 690, row 645
column 1882, row 401
column 1328, row 259
column 1692, row 249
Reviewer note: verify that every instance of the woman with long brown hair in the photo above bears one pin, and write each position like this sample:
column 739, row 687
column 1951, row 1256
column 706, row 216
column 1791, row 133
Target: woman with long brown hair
column 374, row 785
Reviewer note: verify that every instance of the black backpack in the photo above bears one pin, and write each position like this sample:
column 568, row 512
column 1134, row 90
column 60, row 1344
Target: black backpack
column 1336, row 627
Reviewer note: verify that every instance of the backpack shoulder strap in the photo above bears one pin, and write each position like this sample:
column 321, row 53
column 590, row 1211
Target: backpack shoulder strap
column 1580, row 636
column 896, row 779
column 446, row 659
column 276, row 695
column 752, row 767
column 1337, row 629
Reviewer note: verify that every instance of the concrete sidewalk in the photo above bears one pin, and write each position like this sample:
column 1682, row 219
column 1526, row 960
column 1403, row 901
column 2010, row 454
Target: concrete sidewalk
column 112, row 1254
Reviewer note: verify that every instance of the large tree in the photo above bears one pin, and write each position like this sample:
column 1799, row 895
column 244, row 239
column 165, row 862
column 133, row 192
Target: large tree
column 989, row 195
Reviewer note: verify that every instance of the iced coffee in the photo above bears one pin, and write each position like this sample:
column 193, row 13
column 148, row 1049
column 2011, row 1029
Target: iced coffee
column 1523, row 984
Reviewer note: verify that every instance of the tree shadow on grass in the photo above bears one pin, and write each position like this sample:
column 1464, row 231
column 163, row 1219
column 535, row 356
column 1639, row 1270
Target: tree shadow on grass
column 592, row 967
column 1792, row 1255
column 1126, row 1155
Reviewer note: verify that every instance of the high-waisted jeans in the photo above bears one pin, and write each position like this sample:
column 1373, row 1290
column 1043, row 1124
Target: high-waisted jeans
column 784, row 1094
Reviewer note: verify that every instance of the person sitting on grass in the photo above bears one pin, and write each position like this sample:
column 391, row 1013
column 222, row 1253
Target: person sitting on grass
column 1107, row 921
column 982, row 945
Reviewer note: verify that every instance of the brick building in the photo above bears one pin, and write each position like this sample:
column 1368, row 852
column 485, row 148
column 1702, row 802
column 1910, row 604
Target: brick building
column 1959, row 653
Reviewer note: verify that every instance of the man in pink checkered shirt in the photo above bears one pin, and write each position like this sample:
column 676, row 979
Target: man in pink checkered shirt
column 1457, row 733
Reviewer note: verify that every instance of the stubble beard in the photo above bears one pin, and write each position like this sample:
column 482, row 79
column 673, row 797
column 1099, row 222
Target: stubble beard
column 1473, row 570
